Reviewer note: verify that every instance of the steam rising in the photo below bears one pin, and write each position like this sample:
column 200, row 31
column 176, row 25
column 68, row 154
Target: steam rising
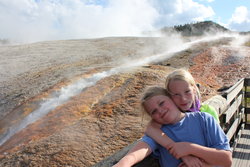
column 59, row 98
column 69, row 91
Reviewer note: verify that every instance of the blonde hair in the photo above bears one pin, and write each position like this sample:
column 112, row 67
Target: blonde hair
column 183, row 75
column 151, row 92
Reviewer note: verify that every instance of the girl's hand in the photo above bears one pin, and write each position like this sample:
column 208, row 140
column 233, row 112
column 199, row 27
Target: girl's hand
column 179, row 149
column 120, row 165
column 182, row 165
column 154, row 131
column 191, row 161
column 152, row 128
column 153, row 124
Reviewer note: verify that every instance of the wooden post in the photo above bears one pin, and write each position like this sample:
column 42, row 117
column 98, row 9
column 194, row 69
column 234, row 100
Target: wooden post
column 246, row 97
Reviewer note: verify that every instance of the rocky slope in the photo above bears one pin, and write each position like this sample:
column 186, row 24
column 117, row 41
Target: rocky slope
column 106, row 116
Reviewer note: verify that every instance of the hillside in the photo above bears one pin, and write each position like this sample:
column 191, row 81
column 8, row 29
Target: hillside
column 196, row 29
column 105, row 116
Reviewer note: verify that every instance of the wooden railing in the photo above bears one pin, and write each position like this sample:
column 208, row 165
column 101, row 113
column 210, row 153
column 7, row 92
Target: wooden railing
column 247, row 100
column 232, row 118
column 233, row 107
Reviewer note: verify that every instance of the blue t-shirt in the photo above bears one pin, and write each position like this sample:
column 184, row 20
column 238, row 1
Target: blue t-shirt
column 196, row 127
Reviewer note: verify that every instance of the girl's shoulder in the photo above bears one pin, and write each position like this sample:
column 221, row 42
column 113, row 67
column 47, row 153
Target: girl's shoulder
column 195, row 115
column 205, row 108
column 201, row 116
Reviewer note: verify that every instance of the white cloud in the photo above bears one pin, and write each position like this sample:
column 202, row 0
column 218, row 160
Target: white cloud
column 37, row 20
column 240, row 19
column 240, row 15
column 182, row 11
column 26, row 20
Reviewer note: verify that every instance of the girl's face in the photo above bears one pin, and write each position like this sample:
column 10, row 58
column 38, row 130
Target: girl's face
column 162, row 109
column 182, row 93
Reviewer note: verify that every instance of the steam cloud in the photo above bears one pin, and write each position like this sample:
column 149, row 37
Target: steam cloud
column 37, row 20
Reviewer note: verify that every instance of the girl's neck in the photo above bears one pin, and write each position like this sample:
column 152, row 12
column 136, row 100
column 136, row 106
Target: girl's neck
column 196, row 105
column 179, row 117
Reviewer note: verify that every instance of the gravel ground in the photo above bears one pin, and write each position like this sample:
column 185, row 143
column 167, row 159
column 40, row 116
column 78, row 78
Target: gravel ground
column 105, row 117
column 27, row 70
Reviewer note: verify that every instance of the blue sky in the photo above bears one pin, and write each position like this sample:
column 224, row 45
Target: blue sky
column 40, row 20
column 225, row 9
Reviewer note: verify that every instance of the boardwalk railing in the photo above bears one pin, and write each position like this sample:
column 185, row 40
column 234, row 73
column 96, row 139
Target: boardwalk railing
column 232, row 118
column 233, row 107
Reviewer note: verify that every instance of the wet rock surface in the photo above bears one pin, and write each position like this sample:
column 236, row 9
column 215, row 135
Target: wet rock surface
column 106, row 116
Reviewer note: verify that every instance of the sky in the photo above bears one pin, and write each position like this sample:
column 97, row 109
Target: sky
column 42, row 20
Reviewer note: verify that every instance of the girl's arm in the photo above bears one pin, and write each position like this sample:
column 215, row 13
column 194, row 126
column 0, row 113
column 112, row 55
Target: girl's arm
column 137, row 153
column 211, row 156
column 153, row 130
column 190, row 161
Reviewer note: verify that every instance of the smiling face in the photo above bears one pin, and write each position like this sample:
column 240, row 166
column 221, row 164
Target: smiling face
column 162, row 109
column 182, row 93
